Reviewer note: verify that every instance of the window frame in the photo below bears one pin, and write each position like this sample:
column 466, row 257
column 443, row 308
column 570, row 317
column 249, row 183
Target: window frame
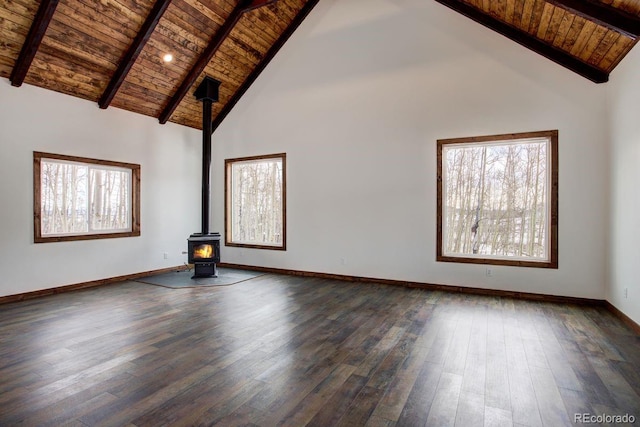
column 37, row 199
column 228, row 163
column 552, row 262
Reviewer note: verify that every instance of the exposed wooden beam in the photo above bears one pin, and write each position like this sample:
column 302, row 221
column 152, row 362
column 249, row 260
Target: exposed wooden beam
column 197, row 69
column 607, row 16
column 258, row 3
column 525, row 39
column 33, row 40
column 134, row 51
column 271, row 53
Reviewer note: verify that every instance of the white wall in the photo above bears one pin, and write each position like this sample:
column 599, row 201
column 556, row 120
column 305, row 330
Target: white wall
column 624, row 257
column 33, row 119
column 357, row 99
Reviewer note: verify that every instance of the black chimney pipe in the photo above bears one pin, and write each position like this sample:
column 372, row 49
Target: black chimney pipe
column 207, row 92
column 206, row 164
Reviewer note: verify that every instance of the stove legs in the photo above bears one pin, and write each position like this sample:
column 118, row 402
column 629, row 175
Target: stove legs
column 205, row 269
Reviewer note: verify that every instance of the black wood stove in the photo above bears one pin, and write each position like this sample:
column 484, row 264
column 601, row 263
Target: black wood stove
column 204, row 247
column 204, row 253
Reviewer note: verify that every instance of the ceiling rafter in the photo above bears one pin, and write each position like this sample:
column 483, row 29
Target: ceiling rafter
column 556, row 55
column 271, row 53
column 602, row 14
column 204, row 59
column 254, row 4
column 32, row 42
column 134, row 51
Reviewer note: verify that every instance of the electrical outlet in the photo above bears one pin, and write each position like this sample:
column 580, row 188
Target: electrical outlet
column 343, row 261
column 488, row 272
column 166, row 255
column 626, row 293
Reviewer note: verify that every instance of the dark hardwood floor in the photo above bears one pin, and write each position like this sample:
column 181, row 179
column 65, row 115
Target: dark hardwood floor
column 285, row 350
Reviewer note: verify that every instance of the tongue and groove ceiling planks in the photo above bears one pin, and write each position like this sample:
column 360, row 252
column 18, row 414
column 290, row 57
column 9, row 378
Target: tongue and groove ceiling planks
column 111, row 51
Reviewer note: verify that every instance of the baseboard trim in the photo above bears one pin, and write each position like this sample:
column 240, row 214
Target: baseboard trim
column 430, row 286
column 84, row 285
column 626, row 319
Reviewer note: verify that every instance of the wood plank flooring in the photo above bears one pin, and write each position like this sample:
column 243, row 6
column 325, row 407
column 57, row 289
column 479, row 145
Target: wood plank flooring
column 293, row 351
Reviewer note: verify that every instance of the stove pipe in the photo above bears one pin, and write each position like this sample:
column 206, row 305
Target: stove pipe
column 208, row 93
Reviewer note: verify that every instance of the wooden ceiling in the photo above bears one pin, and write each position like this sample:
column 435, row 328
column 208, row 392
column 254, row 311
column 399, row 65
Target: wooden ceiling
column 589, row 37
column 111, row 51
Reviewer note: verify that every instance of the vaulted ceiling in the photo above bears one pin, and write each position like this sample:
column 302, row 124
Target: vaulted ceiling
column 111, row 51
column 589, row 37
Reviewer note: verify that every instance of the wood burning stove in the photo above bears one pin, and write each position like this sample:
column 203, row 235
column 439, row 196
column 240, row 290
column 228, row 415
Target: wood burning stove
column 204, row 247
column 204, row 253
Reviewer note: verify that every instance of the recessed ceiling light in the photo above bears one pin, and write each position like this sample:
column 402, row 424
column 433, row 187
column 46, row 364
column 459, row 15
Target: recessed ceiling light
column 167, row 57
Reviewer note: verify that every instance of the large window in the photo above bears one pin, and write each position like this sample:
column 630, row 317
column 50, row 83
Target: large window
column 255, row 211
column 76, row 198
column 498, row 200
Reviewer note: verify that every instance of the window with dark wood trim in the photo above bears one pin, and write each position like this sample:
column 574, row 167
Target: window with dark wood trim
column 255, row 202
column 77, row 198
column 497, row 200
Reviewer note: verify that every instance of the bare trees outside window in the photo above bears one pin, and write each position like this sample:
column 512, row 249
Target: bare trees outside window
column 498, row 199
column 76, row 198
column 255, row 211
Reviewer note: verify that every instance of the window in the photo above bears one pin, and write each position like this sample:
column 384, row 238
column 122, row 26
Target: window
column 498, row 200
column 255, row 202
column 78, row 199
